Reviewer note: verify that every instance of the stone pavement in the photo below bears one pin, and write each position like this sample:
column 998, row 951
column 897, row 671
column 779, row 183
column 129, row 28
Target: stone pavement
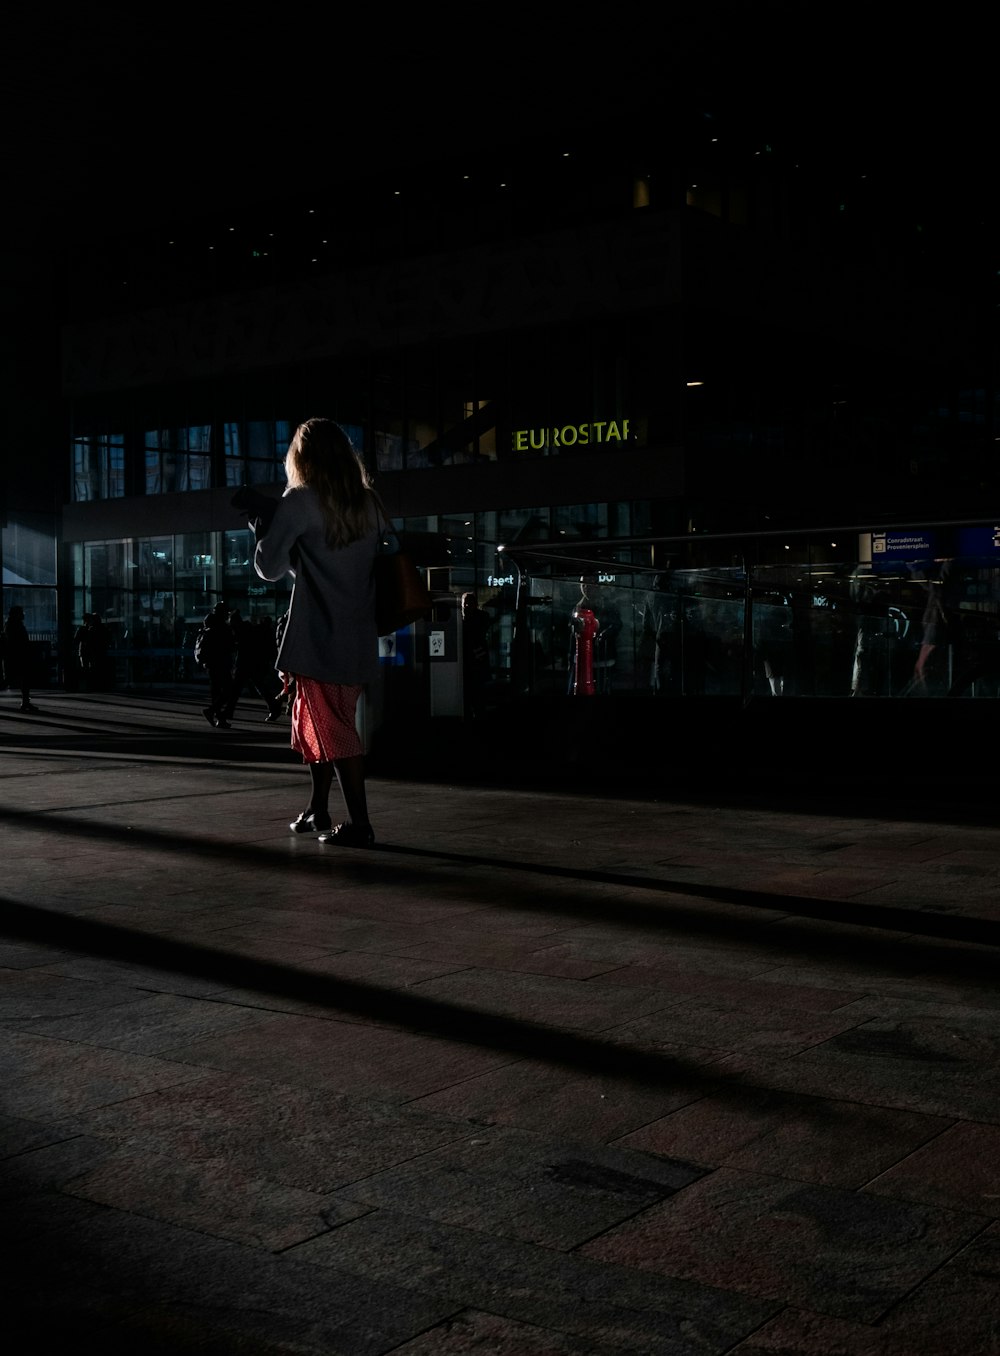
column 544, row 1074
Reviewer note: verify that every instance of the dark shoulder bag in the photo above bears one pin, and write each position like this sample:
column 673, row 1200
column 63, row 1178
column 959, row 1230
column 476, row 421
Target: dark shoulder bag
column 401, row 595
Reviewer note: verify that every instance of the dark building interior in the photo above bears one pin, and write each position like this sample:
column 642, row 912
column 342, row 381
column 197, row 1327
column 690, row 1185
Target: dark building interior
column 687, row 311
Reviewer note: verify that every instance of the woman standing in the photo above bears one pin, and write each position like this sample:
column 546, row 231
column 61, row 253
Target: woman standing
column 324, row 532
column 17, row 656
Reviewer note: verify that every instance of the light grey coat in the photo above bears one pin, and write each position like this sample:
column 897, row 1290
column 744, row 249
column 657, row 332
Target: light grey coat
column 330, row 633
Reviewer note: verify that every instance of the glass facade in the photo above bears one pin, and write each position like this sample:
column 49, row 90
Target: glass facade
column 153, row 592
column 98, row 467
column 178, row 459
column 28, row 559
column 255, row 453
column 846, row 628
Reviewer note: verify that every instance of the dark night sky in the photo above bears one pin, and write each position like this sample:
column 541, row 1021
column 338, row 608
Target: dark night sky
column 100, row 107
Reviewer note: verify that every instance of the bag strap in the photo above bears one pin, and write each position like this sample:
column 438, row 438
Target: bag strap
column 388, row 542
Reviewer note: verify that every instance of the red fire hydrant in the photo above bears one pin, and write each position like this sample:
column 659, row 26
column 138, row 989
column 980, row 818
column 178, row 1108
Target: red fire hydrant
column 586, row 626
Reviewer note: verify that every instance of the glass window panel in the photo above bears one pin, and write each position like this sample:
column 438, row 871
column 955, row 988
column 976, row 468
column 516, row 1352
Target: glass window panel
column 196, row 438
column 98, row 467
column 265, row 472
column 266, row 443
column 105, row 564
column 83, row 482
column 106, row 576
column 178, row 459
column 195, row 473
column 29, row 549
column 423, row 446
column 260, row 438
column 585, row 521
column 238, row 552
column 243, row 587
column 356, row 433
column 154, row 471
column 523, row 525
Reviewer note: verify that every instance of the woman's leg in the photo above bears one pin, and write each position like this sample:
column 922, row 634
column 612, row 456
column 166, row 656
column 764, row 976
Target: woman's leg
column 322, row 780
column 351, row 776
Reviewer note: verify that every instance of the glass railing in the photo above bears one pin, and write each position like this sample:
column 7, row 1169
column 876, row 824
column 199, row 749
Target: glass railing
column 723, row 617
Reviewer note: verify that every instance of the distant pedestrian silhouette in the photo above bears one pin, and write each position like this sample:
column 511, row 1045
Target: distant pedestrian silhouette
column 254, row 667
column 215, row 651
column 17, row 657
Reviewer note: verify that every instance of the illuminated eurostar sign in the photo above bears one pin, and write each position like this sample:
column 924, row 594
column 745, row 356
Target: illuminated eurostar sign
column 570, row 435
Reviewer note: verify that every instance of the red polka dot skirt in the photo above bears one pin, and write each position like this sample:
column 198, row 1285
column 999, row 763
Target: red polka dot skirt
column 323, row 716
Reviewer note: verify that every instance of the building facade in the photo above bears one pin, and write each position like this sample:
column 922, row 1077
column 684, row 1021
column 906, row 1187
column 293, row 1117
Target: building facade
column 707, row 371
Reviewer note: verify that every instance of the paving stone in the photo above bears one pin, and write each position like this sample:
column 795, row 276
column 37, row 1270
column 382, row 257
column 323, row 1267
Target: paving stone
column 840, row 1253
column 954, row 1312
column 627, row 946
column 296, row 1136
column 613, row 1306
column 36, row 996
column 956, row 1309
column 745, row 925
column 116, row 1266
column 149, row 1026
column 343, row 1057
column 14, row 956
column 207, row 1194
column 45, row 1079
column 537, row 1096
column 105, row 972
column 958, row 1089
column 384, row 971
column 474, row 1332
column 797, row 1332
column 158, row 1332
column 52, row 1166
column 564, row 1003
column 531, row 956
column 18, row 1135
column 335, row 930
column 959, row 1169
column 807, row 1139
column 748, row 992
column 726, row 1027
column 521, row 1185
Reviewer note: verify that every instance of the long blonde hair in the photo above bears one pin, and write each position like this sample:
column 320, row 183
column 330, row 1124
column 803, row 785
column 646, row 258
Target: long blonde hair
column 322, row 456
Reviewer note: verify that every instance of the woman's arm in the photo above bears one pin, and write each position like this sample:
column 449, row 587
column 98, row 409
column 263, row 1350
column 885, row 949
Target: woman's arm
column 274, row 555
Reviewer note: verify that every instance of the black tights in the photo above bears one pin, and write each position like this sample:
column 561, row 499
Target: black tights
column 350, row 773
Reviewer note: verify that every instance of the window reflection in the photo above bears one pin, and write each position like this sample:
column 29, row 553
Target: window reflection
column 98, row 467
column 178, row 459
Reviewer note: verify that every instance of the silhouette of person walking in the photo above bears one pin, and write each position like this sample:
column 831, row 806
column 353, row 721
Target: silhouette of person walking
column 476, row 670
column 17, row 656
column 215, row 649
column 254, row 667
